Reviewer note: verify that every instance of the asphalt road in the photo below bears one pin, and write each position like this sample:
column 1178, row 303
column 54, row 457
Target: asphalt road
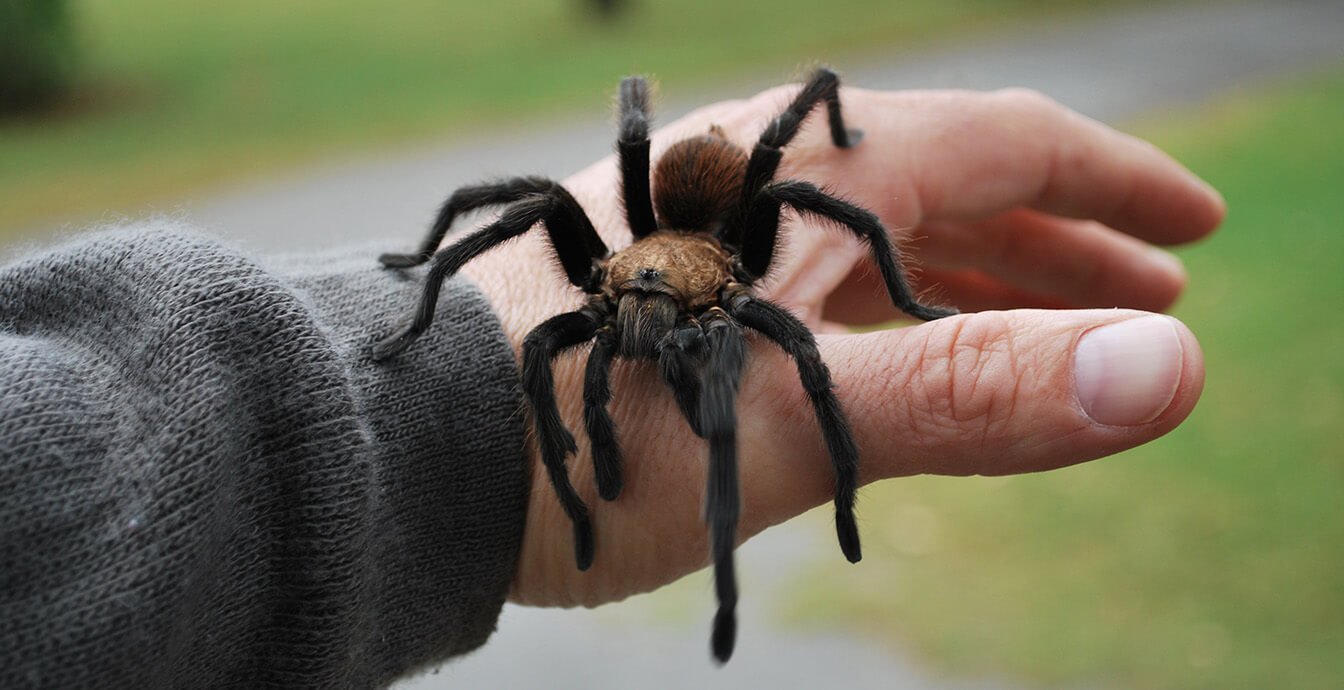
column 1112, row 66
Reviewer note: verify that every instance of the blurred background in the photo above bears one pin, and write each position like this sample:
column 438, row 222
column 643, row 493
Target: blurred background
column 1212, row 558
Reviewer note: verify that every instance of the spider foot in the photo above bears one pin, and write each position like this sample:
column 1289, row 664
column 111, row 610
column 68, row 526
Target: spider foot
column 583, row 543
column 606, row 466
column 692, row 417
column 853, row 136
column 724, row 637
column 609, row 483
column 401, row 260
column 848, row 533
column 927, row 313
column 394, row 344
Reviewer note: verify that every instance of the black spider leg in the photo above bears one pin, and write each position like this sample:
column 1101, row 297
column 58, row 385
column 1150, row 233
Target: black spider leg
column 680, row 359
column 541, row 346
column 824, row 85
column 762, row 231
column 573, row 238
column 633, row 144
column 792, row 336
column 463, row 200
column 723, row 496
column 601, row 431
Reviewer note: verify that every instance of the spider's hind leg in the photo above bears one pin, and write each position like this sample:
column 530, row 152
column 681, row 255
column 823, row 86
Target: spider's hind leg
column 463, row 200
column 824, row 85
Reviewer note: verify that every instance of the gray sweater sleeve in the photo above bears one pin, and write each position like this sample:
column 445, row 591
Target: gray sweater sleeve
column 205, row 481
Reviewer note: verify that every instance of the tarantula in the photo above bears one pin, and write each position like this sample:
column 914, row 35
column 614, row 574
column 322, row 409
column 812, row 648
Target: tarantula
column 680, row 295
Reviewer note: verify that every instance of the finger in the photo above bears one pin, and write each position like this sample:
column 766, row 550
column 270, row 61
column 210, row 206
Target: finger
column 991, row 393
column 994, row 151
column 1079, row 263
column 966, row 155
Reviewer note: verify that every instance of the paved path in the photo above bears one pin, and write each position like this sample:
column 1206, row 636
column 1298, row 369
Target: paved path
column 1112, row 67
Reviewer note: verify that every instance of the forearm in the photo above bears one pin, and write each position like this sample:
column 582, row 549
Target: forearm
column 206, row 480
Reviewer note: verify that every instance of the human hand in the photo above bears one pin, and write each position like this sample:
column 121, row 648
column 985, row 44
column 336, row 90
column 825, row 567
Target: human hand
column 1007, row 201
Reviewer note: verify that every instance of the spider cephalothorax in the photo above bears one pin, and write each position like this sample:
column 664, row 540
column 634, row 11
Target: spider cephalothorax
column 680, row 294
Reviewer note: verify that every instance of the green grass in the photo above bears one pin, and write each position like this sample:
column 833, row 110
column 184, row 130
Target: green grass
column 180, row 95
column 1213, row 558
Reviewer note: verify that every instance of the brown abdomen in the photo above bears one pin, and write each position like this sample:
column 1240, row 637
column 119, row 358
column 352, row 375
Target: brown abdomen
column 698, row 182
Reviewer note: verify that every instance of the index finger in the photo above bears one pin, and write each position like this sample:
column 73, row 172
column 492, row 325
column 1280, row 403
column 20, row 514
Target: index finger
column 972, row 155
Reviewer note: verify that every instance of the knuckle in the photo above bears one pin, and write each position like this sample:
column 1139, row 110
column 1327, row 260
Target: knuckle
column 717, row 110
column 726, row 114
column 1025, row 99
column 966, row 382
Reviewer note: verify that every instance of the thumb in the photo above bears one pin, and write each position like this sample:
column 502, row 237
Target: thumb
column 990, row 393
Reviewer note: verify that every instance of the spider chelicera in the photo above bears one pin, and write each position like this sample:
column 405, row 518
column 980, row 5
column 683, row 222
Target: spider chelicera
column 704, row 232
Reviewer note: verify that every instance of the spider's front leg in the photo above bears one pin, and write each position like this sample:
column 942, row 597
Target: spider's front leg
column 680, row 360
column 823, row 86
column 552, row 337
column 792, row 336
column 725, row 361
column 680, row 355
column 606, row 448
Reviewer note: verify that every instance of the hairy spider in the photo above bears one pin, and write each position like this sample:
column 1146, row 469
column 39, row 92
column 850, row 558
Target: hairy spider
column 680, row 294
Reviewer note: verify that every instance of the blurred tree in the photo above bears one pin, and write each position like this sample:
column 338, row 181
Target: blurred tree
column 36, row 53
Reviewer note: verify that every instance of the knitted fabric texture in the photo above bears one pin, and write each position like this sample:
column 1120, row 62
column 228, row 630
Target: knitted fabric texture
column 205, row 481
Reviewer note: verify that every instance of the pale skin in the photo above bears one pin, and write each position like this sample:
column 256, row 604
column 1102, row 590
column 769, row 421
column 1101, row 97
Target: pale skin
column 1028, row 217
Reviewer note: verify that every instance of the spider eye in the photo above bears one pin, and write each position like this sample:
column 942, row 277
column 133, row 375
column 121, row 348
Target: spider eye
column 650, row 274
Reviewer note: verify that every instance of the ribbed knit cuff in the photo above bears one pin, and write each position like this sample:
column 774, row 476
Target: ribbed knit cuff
column 445, row 418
